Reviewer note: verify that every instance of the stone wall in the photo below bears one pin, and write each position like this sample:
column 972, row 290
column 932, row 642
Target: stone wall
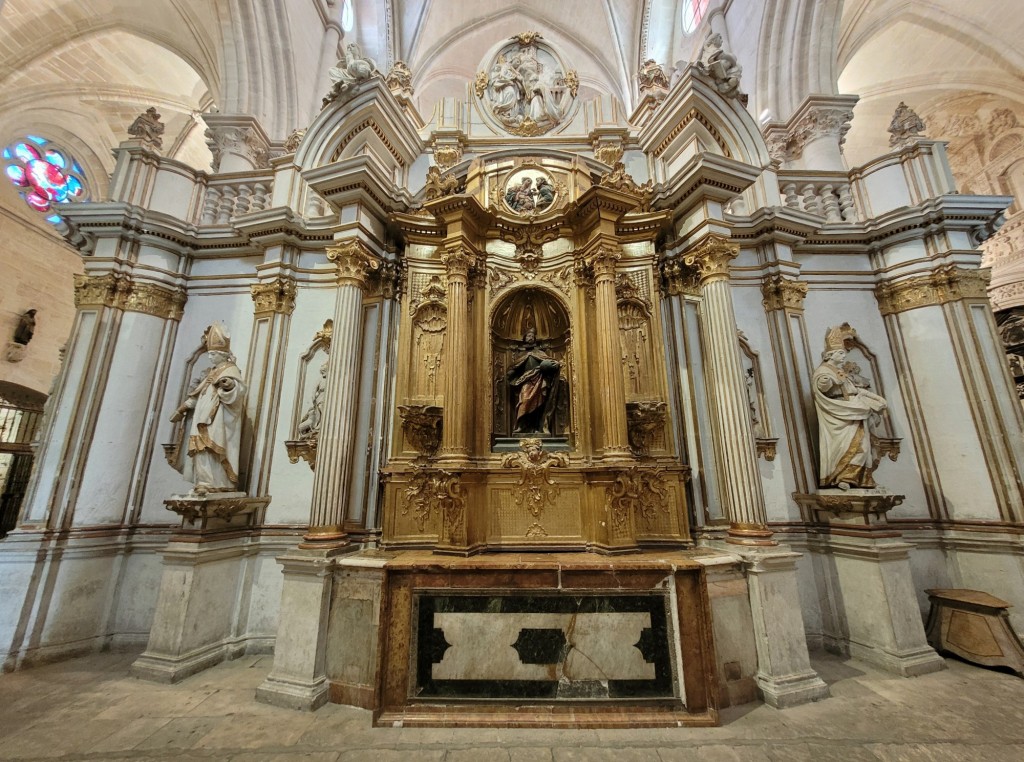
column 38, row 269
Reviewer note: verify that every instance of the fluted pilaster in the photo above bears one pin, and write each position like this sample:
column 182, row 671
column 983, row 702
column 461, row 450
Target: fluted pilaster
column 458, row 261
column 610, row 385
column 734, row 436
column 333, row 474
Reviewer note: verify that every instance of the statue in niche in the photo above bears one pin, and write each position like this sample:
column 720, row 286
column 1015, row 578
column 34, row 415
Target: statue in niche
column 845, row 409
column 26, row 327
column 309, row 426
column 535, row 379
column 215, row 408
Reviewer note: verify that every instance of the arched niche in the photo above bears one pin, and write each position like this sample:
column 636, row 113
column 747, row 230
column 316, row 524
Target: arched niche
column 538, row 367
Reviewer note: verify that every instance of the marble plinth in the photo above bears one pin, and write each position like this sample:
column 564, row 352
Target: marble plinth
column 546, row 640
column 975, row 626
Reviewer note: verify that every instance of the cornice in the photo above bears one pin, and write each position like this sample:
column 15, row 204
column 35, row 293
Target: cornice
column 121, row 291
column 945, row 284
column 705, row 174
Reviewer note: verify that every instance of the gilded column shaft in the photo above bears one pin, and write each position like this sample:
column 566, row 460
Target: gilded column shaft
column 456, row 402
column 331, row 481
column 615, row 436
column 734, row 436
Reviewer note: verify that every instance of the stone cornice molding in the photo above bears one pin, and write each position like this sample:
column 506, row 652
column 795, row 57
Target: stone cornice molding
column 120, row 291
column 711, row 257
column 274, row 297
column 354, row 261
column 948, row 283
column 782, row 293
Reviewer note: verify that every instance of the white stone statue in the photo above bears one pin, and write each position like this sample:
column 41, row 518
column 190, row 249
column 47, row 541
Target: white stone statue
column 845, row 408
column 722, row 67
column 526, row 89
column 352, row 70
column 215, row 409
column 309, row 426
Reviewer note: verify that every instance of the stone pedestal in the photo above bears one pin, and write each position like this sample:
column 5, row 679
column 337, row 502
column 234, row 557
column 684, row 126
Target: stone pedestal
column 298, row 679
column 784, row 674
column 197, row 604
column 876, row 615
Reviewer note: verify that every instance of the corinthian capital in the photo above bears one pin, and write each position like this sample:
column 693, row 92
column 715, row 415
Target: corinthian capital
column 711, row 257
column 354, row 261
column 602, row 259
column 458, row 260
column 781, row 293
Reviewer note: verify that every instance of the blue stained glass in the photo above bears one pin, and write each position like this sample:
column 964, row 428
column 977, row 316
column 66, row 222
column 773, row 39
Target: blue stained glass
column 37, row 140
column 73, row 187
column 25, row 152
column 54, row 218
column 17, row 175
column 76, row 168
column 55, row 158
column 7, row 153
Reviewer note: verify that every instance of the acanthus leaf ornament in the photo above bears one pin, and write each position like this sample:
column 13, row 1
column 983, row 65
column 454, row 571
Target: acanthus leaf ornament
column 535, row 489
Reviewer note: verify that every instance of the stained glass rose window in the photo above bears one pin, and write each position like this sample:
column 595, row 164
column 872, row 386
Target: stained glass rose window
column 44, row 175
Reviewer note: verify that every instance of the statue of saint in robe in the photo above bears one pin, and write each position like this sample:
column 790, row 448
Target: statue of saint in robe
column 535, row 380
column 215, row 409
column 845, row 408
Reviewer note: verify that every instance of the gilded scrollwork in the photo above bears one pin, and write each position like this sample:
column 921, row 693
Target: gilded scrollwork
column 639, row 493
column 274, row 297
column 355, row 262
column 535, row 489
column 948, row 283
column 645, row 420
column 782, row 293
column 422, row 426
column 120, row 291
column 434, row 492
column 711, row 257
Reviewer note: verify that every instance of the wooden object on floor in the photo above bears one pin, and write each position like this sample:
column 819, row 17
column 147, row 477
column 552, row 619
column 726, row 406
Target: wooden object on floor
column 974, row 626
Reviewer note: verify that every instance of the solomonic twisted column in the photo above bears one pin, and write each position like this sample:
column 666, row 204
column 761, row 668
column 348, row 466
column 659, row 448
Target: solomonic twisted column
column 612, row 409
column 458, row 262
column 337, row 434
column 734, row 435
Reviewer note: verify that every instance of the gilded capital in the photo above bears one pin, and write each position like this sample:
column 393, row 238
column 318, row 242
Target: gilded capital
column 354, row 261
column 276, row 296
column 678, row 279
column 603, row 259
column 458, row 261
column 118, row 290
column 948, row 283
column 782, row 293
column 711, row 257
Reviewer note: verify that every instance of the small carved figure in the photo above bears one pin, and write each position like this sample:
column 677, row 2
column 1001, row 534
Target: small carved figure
column 652, row 77
column 26, row 328
column 534, row 377
column 215, row 409
column 520, row 197
column 148, row 128
column 309, row 426
column 352, row 70
column 906, row 126
column 844, row 412
column 399, row 79
column 722, row 67
column 438, row 185
column 545, row 193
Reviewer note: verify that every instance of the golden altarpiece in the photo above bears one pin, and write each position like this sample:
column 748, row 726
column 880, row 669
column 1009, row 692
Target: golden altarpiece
column 579, row 455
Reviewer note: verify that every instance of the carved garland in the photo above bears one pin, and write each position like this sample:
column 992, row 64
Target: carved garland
column 948, row 283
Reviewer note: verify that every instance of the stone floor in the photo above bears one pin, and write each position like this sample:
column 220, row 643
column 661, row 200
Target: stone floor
column 90, row 709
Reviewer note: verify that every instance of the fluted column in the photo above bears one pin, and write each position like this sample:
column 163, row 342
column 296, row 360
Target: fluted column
column 337, row 433
column 611, row 388
column 458, row 261
column 734, row 436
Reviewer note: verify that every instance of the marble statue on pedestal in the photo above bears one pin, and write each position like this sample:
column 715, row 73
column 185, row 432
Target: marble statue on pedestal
column 722, row 67
column 215, row 408
column 845, row 408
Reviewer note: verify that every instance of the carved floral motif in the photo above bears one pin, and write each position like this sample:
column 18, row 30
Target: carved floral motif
column 639, row 493
column 948, row 283
column 535, row 489
column 118, row 290
column 277, row 296
column 782, row 293
column 435, row 492
column 354, row 261
column 438, row 185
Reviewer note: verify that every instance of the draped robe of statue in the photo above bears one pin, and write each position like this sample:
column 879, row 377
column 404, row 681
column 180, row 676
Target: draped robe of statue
column 215, row 429
column 534, row 374
column 846, row 457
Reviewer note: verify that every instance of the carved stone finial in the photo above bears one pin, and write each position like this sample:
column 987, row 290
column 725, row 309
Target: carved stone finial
column 148, row 128
column 653, row 80
column 906, row 126
column 399, row 80
column 438, row 185
column 291, row 143
column 352, row 70
column 619, row 179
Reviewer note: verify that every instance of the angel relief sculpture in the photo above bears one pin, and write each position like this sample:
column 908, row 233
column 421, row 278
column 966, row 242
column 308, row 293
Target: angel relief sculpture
column 526, row 88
